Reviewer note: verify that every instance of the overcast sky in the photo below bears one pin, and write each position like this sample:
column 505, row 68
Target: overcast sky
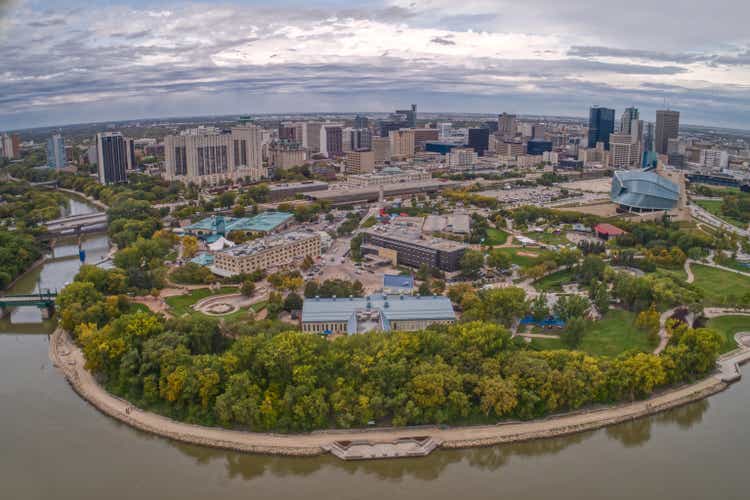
column 68, row 61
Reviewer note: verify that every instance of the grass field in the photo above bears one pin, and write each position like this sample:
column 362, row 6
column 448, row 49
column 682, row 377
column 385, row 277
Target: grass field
column 718, row 286
column 180, row 304
column 526, row 257
column 495, row 237
column 548, row 238
column 714, row 207
column 615, row 333
column 554, row 282
column 728, row 326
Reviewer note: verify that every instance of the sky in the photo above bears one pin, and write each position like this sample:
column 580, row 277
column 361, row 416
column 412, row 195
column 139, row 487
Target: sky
column 72, row 61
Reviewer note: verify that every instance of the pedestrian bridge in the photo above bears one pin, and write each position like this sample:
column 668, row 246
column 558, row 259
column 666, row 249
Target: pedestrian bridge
column 43, row 300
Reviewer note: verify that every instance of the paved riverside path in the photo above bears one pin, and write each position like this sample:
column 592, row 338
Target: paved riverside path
column 69, row 359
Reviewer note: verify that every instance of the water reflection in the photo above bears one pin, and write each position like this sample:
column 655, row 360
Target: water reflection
column 638, row 432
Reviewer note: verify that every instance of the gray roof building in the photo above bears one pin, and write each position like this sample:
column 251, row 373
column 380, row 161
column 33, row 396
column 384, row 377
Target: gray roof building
column 638, row 191
column 376, row 312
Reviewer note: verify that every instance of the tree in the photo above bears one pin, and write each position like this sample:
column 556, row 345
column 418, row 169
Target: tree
column 498, row 396
column 292, row 302
column 247, row 288
column 539, row 308
column 307, row 263
column 575, row 329
column 502, row 305
column 599, row 295
column 471, row 263
column 499, row 260
column 189, row 246
column 238, row 211
column 649, row 322
column 571, row 306
column 424, row 288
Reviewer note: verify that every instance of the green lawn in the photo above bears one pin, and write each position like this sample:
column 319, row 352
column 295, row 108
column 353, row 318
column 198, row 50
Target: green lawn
column 714, row 207
column 719, row 286
column 610, row 336
column 728, row 326
column 526, row 260
column 495, row 237
column 180, row 304
column 554, row 282
column 548, row 238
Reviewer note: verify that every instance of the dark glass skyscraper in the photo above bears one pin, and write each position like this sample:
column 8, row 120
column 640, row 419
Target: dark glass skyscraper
column 479, row 140
column 601, row 125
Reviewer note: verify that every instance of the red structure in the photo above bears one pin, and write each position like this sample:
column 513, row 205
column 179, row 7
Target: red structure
column 606, row 231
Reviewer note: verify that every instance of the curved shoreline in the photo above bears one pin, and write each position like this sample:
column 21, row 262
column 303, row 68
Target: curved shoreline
column 69, row 359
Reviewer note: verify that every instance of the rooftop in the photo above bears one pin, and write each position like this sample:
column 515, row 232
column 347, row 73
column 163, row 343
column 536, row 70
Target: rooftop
column 410, row 234
column 263, row 244
column 609, row 229
column 398, row 281
column 264, row 222
column 389, row 307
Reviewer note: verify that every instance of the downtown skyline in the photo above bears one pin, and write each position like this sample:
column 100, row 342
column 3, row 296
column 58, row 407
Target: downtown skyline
column 79, row 62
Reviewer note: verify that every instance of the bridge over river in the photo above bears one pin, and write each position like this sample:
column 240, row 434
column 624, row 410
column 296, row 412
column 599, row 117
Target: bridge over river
column 43, row 300
column 77, row 224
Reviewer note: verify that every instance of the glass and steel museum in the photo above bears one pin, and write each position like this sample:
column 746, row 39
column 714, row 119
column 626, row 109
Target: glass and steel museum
column 639, row 191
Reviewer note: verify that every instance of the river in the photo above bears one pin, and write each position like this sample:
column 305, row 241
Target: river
column 53, row 445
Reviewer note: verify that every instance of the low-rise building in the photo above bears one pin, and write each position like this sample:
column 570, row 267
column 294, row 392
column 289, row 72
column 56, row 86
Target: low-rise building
column 264, row 223
column 352, row 315
column 278, row 192
column 271, row 252
column 461, row 158
column 388, row 175
column 413, row 249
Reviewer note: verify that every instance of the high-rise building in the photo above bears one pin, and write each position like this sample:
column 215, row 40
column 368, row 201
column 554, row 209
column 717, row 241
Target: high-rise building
column 402, row 143
column 423, row 135
column 538, row 131
column 714, row 158
column 356, row 139
column 286, row 154
column 311, row 137
column 210, row 157
column 11, row 146
column 130, row 154
column 479, row 140
column 667, row 127
column 444, row 130
column 111, row 153
column 56, row 152
column 381, row 147
column 628, row 116
column 624, row 151
column 601, row 125
column 359, row 162
column 332, row 140
column 648, row 136
column 491, row 125
column 408, row 115
column 506, row 125
column 461, row 158
column 361, row 121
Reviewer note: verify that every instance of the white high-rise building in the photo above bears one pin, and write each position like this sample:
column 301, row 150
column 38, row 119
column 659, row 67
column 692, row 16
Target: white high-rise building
column 714, row 158
column 444, row 130
column 624, row 151
column 628, row 116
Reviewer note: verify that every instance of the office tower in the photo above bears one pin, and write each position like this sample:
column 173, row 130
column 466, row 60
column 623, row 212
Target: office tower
column 624, row 151
column 601, row 125
column 286, row 154
column 11, row 146
column 648, row 136
column 357, row 139
column 628, row 116
column 667, row 127
column 130, row 154
column 714, row 158
column 311, row 137
column 56, row 152
column 479, row 140
column 111, row 153
column 491, row 125
column 408, row 115
column 402, row 143
column 387, row 126
column 381, row 147
column 359, row 162
column 423, row 135
column 444, row 130
column 332, row 140
column 361, row 121
column 210, row 157
column 506, row 125
column 538, row 131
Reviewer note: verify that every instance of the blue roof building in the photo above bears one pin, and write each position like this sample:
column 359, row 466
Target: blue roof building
column 349, row 316
column 203, row 259
column 639, row 191
column 397, row 284
column 266, row 222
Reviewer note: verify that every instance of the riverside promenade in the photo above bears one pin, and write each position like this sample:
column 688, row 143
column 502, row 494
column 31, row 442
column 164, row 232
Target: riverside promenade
column 69, row 359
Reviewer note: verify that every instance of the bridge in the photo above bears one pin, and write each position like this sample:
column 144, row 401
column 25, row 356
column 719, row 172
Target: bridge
column 44, row 300
column 76, row 224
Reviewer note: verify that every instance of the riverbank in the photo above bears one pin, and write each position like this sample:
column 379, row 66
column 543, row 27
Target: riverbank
column 69, row 359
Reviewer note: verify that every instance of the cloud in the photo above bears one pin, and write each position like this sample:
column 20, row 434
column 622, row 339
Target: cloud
column 200, row 53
